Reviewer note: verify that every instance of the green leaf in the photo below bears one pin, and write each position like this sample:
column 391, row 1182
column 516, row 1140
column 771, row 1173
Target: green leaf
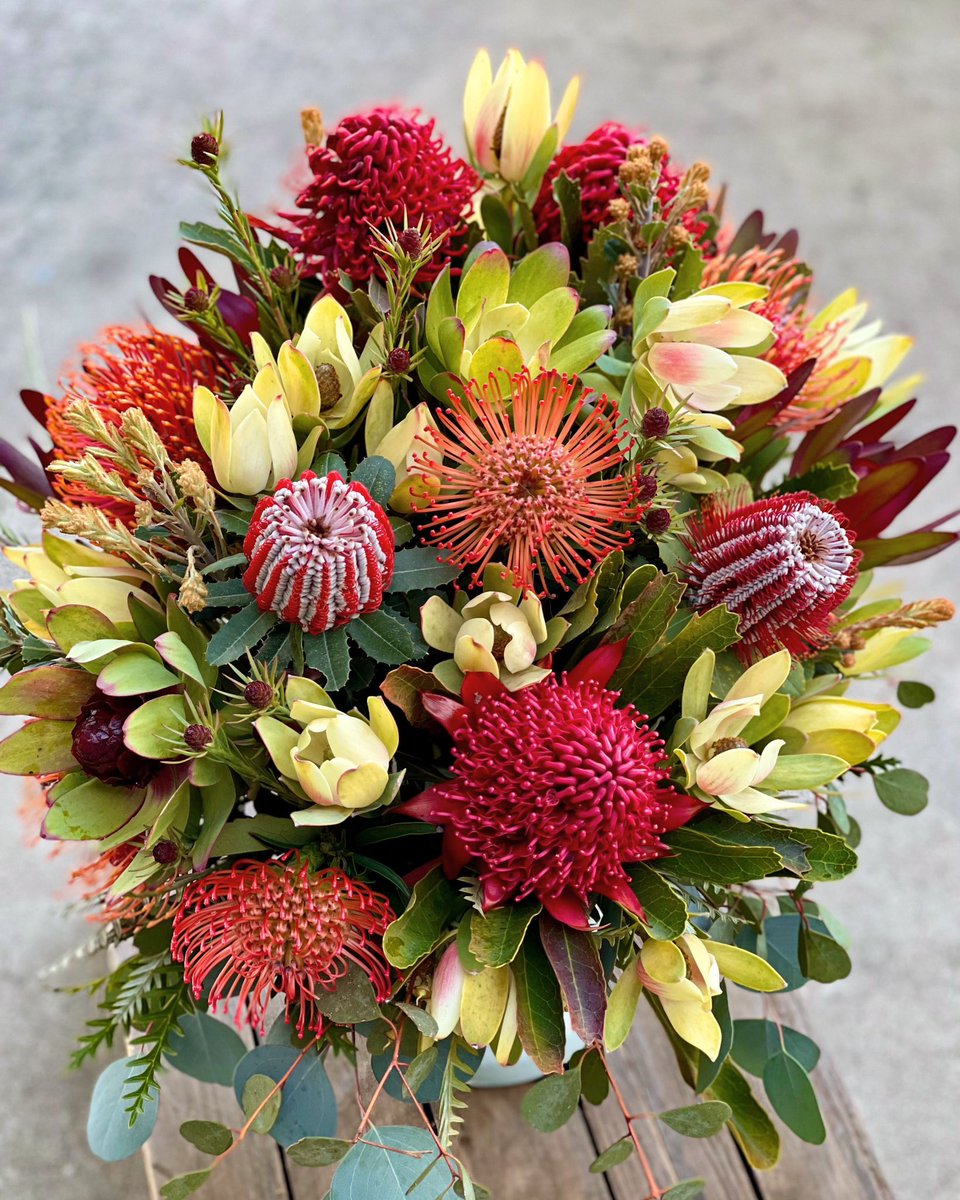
column 827, row 480
column 206, row 1049
column 661, row 679
column 686, row 1189
column 385, row 636
column 566, row 191
column 914, row 695
column 575, row 960
column 420, row 1069
column 756, row 1041
column 91, row 810
column 813, row 854
column 242, row 632
column 227, row 593
column 791, row 1093
column 152, row 729
column 309, row 1107
column 261, row 1096
column 698, row 1120
column 539, row 1006
column 208, row 1136
column 221, row 241
column 318, row 1151
column 709, row 1069
column 435, row 904
column 821, row 958
column 370, row 1171
column 328, row 462
column 800, row 772
column 902, row 791
column 329, row 653
column 38, row 748
column 622, row 1006
column 552, row 1101
column 110, row 1133
column 378, row 476
column 664, row 910
column 495, row 936
column 51, row 691
column 496, row 221
column 418, row 569
column 751, row 1126
column 644, row 622
column 613, row 1155
column 352, row 999
column 702, row 859
column 594, row 1080
column 182, row 1186
column 420, row 1017
column 72, row 623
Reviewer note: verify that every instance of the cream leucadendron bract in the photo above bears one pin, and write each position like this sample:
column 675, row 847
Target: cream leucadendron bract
column 701, row 351
column 338, row 761
column 506, row 116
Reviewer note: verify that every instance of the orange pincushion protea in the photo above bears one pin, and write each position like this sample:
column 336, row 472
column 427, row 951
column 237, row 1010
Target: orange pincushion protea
column 279, row 928
column 155, row 372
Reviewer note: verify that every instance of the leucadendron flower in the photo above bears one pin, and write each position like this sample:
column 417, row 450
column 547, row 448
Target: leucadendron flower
column 60, row 572
column 401, row 446
column 498, row 633
column 322, row 376
column 507, row 116
column 251, row 443
column 703, row 351
column 507, row 318
column 340, row 762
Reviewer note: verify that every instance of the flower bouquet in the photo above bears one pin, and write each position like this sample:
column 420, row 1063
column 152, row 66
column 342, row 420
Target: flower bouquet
column 460, row 633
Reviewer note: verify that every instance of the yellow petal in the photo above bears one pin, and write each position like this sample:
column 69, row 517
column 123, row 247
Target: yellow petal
column 352, row 738
column 359, row 787
column 440, row 624
column 298, row 687
column 280, row 741
column 383, row 724
column 250, row 462
column 728, row 772
column 527, row 120
column 695, row 1024
column 566, row 108
column 282, row 441
column 322, row 321
column 763, row 678
column 483, row 1003
column 757, row 379
column 688, row 366
column 299, row 382
column 663, row 961
column 479, row 82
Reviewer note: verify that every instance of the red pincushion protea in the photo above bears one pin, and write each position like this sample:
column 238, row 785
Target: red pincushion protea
column 321, row 552
column 131, row 368
column 555, row 787
column 594, row 163
column 378, row 166
column 262, row 929
column 782, row 564
column 524, row 474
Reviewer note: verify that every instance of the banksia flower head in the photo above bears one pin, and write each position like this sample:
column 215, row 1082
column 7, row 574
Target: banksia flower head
column 595, row 164
column 554, row 788
column 321, row 552
column 130, row 369
column 783, row 565
column 376, row 167
column 522, row 475
column 263, row 929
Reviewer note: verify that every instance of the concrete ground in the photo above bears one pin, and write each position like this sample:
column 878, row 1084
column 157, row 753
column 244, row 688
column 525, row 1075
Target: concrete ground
column 838, row 118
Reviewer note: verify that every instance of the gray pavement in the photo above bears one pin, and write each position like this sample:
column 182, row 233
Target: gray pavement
column 838, row 118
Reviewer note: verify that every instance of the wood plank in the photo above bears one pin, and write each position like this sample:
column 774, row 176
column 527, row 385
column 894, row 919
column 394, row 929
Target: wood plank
column 844, row 1165
column 255, row 1169
column 646, row 1072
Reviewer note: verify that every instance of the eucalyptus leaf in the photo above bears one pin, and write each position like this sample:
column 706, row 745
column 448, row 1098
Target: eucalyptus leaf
column 209, row 1137
column 613, row 1155
column 552, row 1101
column 110, row 1133
column 318, row 1151
column 756, row 1041
column 698, row 1120
column 206, row 1049
column 182, row 1186
column 309, row 1107
column 791, row 1093
column 372, row 1170
column 902, row 791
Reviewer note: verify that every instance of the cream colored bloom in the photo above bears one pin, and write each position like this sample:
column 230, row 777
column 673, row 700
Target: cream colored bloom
column 494, row 633
column 702, row 352
column 685, row 977
column 401, row 446
column 339, row 761
column 251, row 444
column 506, row 116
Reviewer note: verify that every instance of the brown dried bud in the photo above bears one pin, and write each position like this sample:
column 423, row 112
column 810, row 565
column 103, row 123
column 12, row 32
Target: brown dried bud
column 627, row 266
column 657, row 520
column 204, row 149
column 679, row 235
column 619, row 209
column 258, row 694
column 311, row 122
column 283, row 277
column 328, row 383
column 236, row 386
column 144, row 514
column 728, row 743
column 197, row 737
column 192, row 481
column 398, row 360
column 658, row 148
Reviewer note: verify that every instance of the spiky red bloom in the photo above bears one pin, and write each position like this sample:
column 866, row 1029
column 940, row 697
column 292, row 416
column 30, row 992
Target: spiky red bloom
column 378, row 166
column 594, row 164
column 321, row 552
column 554, row 788
column 132, row 368
column 262, row 929
column 523, row 474
column 782, row 564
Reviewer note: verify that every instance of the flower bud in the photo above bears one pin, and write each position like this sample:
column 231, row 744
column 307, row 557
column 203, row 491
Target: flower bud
column 195, row 301
column 197, row 737
column 655, row 423
column 204, row 149
column 657, row 521
column 165, row 853
column 398, row 360
column 258, row 694
column 410, row 242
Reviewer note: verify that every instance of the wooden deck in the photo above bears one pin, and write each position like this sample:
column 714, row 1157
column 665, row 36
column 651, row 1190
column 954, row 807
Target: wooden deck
column 517, row 1163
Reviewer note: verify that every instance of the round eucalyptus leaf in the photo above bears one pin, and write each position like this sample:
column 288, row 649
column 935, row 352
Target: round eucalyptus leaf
column 377, row 1172
column 206, row 1049
column 308, row 1106
column 109, row 1132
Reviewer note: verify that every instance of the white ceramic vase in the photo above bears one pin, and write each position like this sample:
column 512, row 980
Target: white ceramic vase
column 490, row 1074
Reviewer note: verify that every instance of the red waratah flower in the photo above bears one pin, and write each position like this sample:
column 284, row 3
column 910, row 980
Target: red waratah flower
column 782, row 564
column 554, row 788
column 524, row 474
column 378, row 166
column 130, row 368
column 594, row 163
column 278, row 928
column 321, row 552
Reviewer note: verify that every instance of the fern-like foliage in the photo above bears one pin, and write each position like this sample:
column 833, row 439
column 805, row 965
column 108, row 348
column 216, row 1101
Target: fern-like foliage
column 454, row 1088
column 146, row 994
